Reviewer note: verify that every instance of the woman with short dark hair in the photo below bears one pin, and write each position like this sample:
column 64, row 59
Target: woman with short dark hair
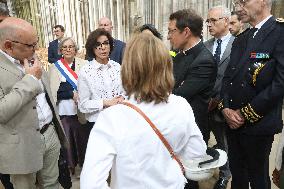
column 99, row 83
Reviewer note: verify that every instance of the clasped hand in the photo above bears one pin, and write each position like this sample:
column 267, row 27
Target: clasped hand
column 234, row 118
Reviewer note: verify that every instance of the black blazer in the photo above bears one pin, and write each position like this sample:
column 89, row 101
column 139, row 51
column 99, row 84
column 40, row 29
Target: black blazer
column 254, row 79
column 53, row 55
column 195, row 74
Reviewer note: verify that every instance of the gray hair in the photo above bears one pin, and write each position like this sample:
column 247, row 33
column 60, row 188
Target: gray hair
column 4, row 11
column 8, row 32
column 225, row 11
column 60, row 45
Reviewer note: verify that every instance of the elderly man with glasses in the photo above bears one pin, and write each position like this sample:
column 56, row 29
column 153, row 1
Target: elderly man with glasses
column 252, row 93
column 30, row 128
column 220, row 46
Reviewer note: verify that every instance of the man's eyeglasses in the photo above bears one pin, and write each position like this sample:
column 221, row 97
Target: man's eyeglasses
column 170, row 32
column 68, row 47
column 213, row 20
column 240, row 3
column 98, row 44
column 31, row 46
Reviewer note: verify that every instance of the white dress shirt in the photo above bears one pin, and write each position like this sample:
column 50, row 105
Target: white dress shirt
column 225, row 40
column 123, row 142
column 43, row 110
column 97, row 82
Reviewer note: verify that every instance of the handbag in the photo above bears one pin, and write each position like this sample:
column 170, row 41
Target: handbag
column 156, row 130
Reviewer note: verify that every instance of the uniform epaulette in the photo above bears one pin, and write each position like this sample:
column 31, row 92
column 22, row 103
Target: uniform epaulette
column 249, row 114
column 280, row 20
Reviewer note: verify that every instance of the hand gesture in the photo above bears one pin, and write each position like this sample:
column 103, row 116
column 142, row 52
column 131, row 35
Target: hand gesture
column 75, row 97
column 233, row 118
column 110, row 102
column 33, row 68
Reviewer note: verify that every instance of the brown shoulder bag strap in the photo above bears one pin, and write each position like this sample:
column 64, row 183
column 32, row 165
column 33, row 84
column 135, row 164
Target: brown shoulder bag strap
column 156, row 130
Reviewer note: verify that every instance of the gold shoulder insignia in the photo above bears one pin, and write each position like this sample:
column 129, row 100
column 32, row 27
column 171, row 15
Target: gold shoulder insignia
column 281, row 20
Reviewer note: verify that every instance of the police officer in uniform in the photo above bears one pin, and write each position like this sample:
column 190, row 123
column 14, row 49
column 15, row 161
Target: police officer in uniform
column 252, row 93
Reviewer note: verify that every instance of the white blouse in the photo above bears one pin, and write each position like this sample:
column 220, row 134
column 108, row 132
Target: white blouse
column 123, row 142
column 97, row 82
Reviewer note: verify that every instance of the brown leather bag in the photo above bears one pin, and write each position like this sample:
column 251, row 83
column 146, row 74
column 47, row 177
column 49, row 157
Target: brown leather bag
column 159, row 134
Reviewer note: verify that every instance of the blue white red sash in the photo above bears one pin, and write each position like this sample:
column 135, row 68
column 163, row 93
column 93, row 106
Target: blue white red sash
column 67, row 72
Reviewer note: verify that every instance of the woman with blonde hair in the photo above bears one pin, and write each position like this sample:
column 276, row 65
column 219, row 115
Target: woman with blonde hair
column 123, row 141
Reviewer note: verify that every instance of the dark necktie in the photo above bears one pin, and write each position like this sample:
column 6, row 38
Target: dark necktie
column 251, row 32
column 250, row 39
column 218, row 51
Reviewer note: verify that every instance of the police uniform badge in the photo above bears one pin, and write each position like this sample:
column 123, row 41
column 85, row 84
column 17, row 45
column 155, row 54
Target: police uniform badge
column 260, row 72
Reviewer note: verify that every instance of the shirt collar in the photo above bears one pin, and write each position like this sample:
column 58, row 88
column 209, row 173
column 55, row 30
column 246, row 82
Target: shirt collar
column 13, row 60
column 260, row 24
column 98, row 65
column 226, row 37
column 185, row 51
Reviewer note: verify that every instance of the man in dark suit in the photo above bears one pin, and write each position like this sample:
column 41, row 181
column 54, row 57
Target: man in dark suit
column 194, row 66
column 252, row 93
column 53, row 53
column 118, row 46
column 220, row 46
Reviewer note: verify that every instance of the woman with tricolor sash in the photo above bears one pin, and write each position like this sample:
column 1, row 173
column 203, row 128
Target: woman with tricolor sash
column 63, row 80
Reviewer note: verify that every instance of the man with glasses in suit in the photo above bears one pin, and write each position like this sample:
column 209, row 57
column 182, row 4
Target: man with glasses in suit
column 220, row 46
column 194, row 67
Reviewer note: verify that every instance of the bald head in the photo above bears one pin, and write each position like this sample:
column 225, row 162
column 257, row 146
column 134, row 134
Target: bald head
column 18, row 38
column 15, row 28
column 106, row 23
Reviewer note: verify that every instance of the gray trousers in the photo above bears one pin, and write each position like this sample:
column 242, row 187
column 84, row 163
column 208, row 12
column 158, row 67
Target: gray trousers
column 218, row 128
column 48, row 176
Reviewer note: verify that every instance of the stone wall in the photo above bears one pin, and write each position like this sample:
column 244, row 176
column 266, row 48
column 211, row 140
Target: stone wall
column 79, row 17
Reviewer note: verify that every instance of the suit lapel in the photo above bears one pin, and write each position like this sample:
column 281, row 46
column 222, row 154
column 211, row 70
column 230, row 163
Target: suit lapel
column 47, row 89
column 262, row 33
column 9, row 66
column 210, row 44
column 227, row 51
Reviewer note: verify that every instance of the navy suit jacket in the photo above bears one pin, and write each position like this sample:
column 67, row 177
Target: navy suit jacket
column 257, row 93
column 117, row 51
column 53, row 55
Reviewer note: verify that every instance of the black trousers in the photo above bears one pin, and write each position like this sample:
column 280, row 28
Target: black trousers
column 5, row 180
column 249, row 160
column 191, row 185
